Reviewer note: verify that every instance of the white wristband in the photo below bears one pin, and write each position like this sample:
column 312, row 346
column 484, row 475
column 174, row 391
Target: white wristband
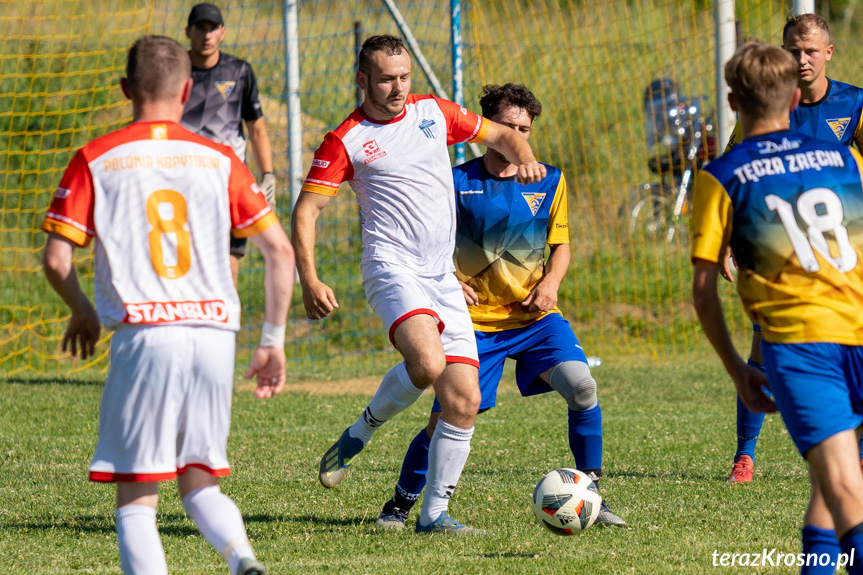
column 272, row 335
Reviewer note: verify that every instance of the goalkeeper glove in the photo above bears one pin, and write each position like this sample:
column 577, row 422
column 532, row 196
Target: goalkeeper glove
column 268, row 188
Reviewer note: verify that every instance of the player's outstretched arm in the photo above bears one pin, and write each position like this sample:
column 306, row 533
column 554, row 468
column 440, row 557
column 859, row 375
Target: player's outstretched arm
column 318, row 299
column 83, row 329
column 268, row 362
column 708, row 306
column 544, row 295
column 517, row 151
column 263, row 151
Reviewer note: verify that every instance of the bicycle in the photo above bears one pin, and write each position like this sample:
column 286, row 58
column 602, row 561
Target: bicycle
column 681, row 139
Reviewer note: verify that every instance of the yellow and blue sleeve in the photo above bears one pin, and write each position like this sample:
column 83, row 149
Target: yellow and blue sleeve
column 711, row 218
column 558, row 217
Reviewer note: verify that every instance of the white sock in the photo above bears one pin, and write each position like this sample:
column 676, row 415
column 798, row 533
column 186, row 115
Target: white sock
column 395, row 393
column 138, row 538
column 220, row 522
column 448, row 453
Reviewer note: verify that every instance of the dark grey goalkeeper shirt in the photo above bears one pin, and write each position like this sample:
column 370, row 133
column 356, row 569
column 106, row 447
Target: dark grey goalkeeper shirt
column 222, row 98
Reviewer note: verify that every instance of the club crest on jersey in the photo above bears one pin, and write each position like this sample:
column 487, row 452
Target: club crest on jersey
column 533, row 201
column 62, row 193
column 838, row 126
column 372, row 151
column 225, row 88
column 429, row 128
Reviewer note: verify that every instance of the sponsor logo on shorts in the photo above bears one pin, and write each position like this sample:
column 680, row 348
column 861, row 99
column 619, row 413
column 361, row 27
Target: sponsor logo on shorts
column 255, row 188
column 175, row 311
column 62, row 193
column 469, row 192
column 429, row 128
column 225, row 88
column 320, row 163
column 373, row 151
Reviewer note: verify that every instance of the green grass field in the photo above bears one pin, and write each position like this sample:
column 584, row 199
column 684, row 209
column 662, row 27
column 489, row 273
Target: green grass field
column 669, row 439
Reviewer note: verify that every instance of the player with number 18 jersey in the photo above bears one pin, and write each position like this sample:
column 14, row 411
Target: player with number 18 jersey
column 791, row 208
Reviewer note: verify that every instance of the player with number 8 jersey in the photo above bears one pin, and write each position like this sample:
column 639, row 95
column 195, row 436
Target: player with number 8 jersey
column 134, row 171
column 160, row 203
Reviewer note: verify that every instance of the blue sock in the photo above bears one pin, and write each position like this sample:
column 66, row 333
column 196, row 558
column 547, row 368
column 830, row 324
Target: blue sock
column 852, row 547
column 748, row 425
column 585, row 439
column 816, row 543
column 414, row 468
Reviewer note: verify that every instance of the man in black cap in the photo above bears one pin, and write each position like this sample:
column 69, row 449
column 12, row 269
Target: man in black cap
column 224, row 94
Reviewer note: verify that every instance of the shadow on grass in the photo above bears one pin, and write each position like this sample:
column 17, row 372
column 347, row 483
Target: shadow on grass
column 51, row 380
column 316, row 520
column 174, row 524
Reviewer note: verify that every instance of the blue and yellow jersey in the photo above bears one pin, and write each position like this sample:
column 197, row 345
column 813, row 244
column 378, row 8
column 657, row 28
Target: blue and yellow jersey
column 837, row 117
column 501, row 234
column 791, row 207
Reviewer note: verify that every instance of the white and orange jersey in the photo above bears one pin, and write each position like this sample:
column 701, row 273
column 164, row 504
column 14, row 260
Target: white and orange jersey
column 401, row 174
column 160, row 202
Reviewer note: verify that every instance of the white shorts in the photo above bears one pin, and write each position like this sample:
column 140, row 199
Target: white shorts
column 395, row 294
column 166, row 405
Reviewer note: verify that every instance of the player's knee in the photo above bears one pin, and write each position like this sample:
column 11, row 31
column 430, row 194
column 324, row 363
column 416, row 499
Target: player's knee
column 426, row 369
column 573, row 381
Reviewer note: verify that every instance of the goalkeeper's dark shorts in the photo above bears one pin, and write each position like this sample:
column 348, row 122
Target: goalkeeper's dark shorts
column 238, row 246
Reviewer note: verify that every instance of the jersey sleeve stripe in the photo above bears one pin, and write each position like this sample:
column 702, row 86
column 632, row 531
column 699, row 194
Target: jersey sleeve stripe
column 255, row 225
column 324, row 190
column 481, row 131
column 69, row 229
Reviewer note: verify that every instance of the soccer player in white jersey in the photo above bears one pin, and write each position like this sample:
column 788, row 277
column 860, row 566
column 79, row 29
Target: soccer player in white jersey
column 160, row 202
column 393, row 152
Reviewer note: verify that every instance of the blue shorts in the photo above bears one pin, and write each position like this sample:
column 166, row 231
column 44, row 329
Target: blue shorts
column 535, row 348
column 818, row 388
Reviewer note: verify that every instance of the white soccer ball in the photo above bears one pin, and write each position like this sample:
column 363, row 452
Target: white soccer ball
column 566, row 501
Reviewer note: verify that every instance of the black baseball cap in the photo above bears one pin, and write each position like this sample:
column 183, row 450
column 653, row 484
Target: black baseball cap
column 205, row 13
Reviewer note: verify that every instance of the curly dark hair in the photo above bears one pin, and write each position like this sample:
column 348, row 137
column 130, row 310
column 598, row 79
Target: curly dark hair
column 386, row 43
column 496, row 97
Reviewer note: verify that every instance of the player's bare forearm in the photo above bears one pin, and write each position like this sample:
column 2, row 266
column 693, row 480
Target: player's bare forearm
column 708, row 307
column 318, row 299
column 57, row 263
column 747, row 380
column 557, row 265
column 544, row 295
column 83, row 329
column 303, row 220
column 260, row 141
column 517, row 151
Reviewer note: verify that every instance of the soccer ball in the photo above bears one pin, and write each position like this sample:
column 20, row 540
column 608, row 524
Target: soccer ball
column 566, row 501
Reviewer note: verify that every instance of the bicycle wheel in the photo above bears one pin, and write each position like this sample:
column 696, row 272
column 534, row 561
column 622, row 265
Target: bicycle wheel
column 649, row 217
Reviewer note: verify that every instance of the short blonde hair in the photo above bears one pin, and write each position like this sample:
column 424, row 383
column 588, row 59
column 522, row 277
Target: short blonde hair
column 762, row 79
column 805, row 25
column 156, row 68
